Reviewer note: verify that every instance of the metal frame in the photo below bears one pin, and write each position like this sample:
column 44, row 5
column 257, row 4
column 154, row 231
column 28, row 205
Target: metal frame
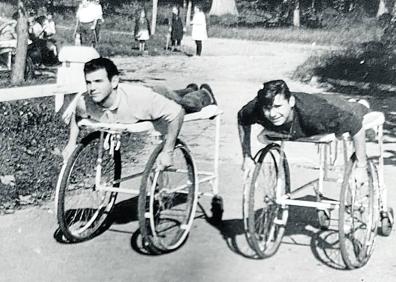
column 112, row 142
column 372, row 121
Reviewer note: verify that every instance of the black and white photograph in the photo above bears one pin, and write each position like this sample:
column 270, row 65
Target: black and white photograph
column 197, row 140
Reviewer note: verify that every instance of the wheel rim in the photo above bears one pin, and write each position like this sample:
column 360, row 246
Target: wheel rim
column 171, row 202
column 267, row 219
column 84, row 209
column 357, row 224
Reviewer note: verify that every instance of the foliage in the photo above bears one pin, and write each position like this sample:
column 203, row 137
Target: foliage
column 369, row 62
column 389, row 36
column 32, row 137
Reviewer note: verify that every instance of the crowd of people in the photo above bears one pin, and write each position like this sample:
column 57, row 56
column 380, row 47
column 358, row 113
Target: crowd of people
column 42, row 47
column 176, row 30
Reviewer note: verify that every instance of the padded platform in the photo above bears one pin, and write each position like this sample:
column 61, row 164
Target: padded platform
column 208, row 112
column 370, row 121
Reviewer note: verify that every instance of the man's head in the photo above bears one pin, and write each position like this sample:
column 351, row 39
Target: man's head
column 101, row 77
column 276, row 101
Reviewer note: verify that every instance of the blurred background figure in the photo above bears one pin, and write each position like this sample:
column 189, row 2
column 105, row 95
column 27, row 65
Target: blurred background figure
column 8, row 29
column 198, row 32
column 8, row 40
column 142, row 29
column 89, row 16
column 42, row 47
column 176, row 29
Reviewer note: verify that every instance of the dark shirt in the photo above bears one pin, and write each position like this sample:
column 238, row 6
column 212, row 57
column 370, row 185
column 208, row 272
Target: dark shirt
column 313, row 114
column 177, row 28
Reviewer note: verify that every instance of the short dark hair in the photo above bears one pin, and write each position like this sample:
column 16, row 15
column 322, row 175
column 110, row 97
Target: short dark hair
column 101, row 63
column 266, row 95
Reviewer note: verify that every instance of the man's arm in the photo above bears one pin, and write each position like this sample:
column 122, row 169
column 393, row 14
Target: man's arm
column 244, row 138
column 73, row 135
column 174, row 126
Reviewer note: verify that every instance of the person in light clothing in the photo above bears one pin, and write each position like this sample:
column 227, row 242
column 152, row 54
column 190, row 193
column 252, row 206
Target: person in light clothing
column 88, row 16
column 109, row 101
column 199, row 32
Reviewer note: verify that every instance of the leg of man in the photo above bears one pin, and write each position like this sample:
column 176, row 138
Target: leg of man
column 196, row 100
column 189, row 88
column 199, row 47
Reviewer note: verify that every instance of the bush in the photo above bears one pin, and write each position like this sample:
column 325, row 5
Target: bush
column 32, row 137
column 369, row 62
column 389, row 36
column 225, row 20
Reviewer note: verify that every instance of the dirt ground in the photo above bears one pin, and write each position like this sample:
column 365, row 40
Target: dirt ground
column 234, row 69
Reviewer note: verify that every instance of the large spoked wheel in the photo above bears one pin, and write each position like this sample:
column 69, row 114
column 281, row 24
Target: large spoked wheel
column 82, row 208
column 167, row 201
column 266, row 221
column 357, row 219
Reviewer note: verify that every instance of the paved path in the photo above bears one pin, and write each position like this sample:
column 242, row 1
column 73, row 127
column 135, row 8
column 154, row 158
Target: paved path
column 234, row 69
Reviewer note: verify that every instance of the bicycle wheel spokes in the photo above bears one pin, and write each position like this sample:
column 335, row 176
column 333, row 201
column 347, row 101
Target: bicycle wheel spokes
column 171, row 198
column 82, row 208
column 357, row 225
column 267, row 219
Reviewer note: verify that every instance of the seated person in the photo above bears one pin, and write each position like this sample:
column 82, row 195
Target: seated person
column 8, row 29
column 49, row 27
column 302, row 115
column 42, row 48
column 107, row 100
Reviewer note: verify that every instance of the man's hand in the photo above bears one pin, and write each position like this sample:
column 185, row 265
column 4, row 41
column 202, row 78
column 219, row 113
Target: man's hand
column 165, row 159
column 247, row 167
column 68, row 150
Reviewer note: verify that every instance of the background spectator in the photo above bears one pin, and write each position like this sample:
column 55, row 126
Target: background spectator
column 8, row 29
column 176, row 29
column 88, row 15
column 142, row 29
column 199, row 32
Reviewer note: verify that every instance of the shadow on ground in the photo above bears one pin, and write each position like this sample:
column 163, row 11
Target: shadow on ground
column 324, row 244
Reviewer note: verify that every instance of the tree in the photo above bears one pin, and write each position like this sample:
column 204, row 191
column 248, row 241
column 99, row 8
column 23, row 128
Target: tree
column 18, row 69
column 296, row 14
column 188, row 14
column 223, row 7
column 154, row 16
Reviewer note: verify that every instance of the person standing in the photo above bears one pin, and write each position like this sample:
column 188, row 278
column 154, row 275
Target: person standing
column 199, row 32
column 99, row 18
column 87, row 17
column 176, row 29
column 142, row 29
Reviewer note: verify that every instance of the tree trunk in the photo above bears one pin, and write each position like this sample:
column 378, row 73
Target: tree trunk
column 382, row 8
column 154, row 16
column 296, row 15
column 18, row 69
column 223, row 7
column 188, row 14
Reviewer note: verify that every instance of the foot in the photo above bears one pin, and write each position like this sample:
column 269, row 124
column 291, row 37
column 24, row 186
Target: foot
column 192, row 86
column 207, row 88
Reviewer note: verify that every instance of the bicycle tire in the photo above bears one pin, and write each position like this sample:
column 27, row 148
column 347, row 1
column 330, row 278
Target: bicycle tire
column 357, row 217
column 165, row 212
column 267, row 222
column 84, row 219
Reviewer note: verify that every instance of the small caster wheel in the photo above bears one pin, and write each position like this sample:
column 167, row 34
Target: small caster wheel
column 324, row 219
column 217, row 209
column 386, row 222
